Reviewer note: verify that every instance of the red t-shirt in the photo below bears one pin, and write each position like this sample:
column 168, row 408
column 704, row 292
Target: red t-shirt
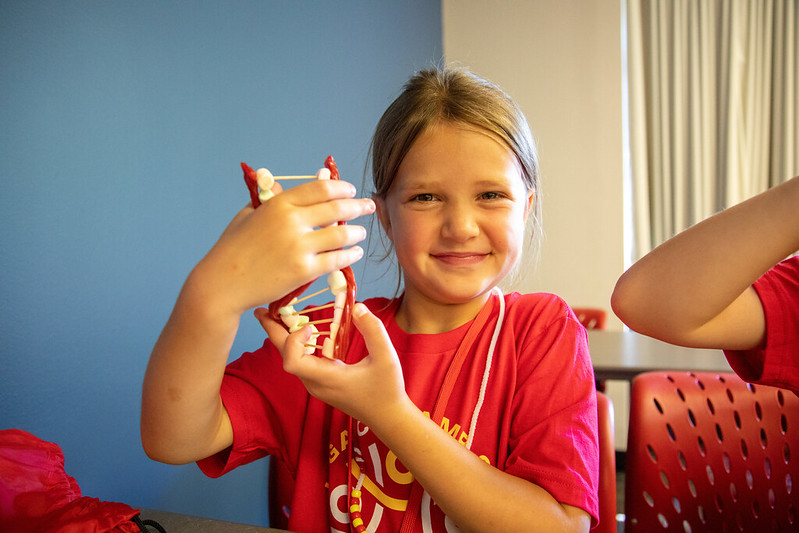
column 537, row 422
column 776, row 363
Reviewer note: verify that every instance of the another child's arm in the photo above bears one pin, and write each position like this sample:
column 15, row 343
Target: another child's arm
column 696, row 288
column 262, row 255
column 472, row 493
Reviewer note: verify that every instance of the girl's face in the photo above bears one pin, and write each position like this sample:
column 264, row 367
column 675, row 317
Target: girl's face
column 456, row 215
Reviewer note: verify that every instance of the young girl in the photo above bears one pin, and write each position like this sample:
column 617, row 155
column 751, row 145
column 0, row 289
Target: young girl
column 457, row 407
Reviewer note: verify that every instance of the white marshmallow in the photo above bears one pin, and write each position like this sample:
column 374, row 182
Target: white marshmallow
column 323, row 174
column 309, row 350
column 264, row 195
column 287, row 310
column 300, row 323
column 290, row 320
column 264, row 178
column 337, row 282
column 327, row 348
column 341, row 299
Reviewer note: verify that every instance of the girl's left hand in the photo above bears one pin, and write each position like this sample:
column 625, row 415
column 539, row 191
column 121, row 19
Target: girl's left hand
column 369, row 390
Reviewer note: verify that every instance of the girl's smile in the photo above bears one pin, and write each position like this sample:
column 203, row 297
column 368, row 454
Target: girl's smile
column 459, row 258
column 456, row 214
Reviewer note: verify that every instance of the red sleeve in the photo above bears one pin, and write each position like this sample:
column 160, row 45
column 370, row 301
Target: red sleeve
column 554, row 435
column 777, row 362
column 266, row 406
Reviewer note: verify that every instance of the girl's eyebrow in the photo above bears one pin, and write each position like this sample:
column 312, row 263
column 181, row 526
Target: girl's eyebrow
column 493, row 180
column 418, row 183
column 500, row 181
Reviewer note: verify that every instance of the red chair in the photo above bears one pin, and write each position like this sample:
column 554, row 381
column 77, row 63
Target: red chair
column 709, row 452
column 607, row 466
column 591, row 318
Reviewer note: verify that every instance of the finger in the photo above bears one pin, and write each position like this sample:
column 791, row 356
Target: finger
column 318, row 191
column 275, row 331
column 327, row 262
column 290, row 345
column 337, row 197
column 378, row 343
column 335, row 237
column 332, row 211
column 295, row 360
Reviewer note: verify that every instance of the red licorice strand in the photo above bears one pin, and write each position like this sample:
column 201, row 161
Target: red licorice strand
column 344, row 335
column 252, row 184
column 274, row 307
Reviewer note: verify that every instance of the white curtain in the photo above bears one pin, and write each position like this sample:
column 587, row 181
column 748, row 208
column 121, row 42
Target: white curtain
column 713, row 107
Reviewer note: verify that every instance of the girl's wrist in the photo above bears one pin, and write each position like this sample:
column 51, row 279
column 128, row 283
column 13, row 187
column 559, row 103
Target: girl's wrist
column 390, row 421
column 205, row 305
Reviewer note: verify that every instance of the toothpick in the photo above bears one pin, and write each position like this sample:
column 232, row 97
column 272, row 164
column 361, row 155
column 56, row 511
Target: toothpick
column 311, row 309
column 311, row 295
column 294, row 177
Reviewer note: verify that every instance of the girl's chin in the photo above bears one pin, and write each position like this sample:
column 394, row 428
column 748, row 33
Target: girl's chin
column 453, row 295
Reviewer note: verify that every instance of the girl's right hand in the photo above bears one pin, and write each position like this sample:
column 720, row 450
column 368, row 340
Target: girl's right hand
column 288, row 241
column 371, row 390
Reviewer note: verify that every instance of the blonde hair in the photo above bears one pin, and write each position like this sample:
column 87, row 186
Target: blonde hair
column 453, row 94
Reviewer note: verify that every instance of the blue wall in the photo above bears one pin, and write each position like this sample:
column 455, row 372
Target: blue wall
column 122, row 125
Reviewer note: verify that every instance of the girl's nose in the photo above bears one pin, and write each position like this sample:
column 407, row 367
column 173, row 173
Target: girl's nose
column 460, row 223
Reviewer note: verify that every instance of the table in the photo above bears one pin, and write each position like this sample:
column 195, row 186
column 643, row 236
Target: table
column 181, row 523
column 622, row 355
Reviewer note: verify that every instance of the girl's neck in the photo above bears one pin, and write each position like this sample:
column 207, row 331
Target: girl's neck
column 418, row 314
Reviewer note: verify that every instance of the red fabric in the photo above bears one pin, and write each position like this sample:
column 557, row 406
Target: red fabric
column 538, row 421
column 776, row 363
column 36, row 494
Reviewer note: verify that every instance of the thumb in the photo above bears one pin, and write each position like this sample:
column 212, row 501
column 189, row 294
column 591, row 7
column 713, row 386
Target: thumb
column 274, row 330
column 374, row 332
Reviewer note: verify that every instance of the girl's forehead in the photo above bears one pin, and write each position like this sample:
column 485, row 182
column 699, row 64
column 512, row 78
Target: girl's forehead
column 453, row 150
column 448, row 129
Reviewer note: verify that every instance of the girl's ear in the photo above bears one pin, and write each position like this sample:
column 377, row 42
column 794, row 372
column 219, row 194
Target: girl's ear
column 382, row 216
column 529, row 206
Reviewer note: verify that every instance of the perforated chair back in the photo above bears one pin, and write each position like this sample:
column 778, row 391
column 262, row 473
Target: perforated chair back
column 709, row 452
column 591, row 318
column 607, row 466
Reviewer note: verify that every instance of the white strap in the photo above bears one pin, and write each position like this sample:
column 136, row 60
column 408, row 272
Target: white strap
column 487, row 371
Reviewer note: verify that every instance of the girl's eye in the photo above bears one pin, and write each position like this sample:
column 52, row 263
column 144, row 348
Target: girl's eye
column 424, row 197
column 491, row 195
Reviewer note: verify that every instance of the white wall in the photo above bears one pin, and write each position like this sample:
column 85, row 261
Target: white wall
column 561, row 61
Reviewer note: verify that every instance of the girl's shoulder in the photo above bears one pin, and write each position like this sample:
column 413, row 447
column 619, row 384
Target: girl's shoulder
column 539, row 312
column 540, row 303
column 379, row 305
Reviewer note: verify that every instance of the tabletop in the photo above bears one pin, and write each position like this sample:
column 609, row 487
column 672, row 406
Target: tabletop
column 624, row 354
column 181, row 523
